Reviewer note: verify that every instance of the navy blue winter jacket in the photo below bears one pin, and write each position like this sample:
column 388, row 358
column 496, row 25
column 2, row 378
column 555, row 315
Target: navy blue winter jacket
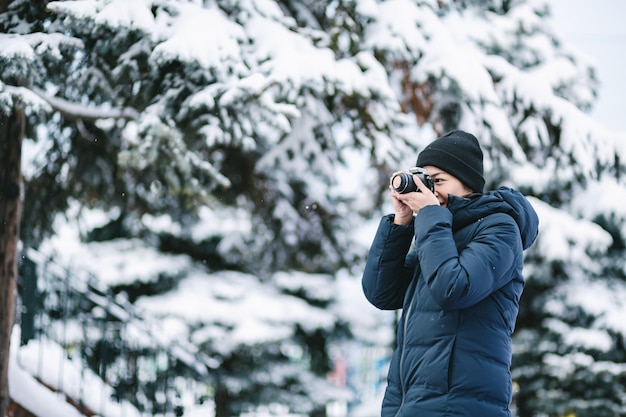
column 458, row 283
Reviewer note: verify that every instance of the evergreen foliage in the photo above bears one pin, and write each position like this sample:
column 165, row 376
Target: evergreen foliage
column 235, row 149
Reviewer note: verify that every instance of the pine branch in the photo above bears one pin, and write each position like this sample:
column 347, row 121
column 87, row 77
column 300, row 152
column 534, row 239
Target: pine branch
column 74, row 111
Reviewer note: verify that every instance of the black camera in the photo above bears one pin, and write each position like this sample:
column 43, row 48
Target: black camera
column 403, row 182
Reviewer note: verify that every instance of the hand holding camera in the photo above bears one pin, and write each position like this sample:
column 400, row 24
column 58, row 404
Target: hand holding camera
column 407, row 197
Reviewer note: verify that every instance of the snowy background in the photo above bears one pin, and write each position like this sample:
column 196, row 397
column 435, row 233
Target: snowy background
column 596, row 31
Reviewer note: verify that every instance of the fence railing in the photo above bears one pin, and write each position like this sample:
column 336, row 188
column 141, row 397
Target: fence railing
column 83, row 340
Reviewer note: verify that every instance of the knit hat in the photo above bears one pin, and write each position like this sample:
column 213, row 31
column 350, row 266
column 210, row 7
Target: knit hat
column 459, row 154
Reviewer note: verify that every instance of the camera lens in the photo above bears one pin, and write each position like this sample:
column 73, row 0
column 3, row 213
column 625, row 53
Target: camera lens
column 403, row 183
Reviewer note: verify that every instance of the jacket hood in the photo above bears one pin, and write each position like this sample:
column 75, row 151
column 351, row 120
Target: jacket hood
column 503, row 200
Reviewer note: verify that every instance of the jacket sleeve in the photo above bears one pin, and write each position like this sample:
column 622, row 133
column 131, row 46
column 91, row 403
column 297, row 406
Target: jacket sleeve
column 461, row 279
column 388, row 269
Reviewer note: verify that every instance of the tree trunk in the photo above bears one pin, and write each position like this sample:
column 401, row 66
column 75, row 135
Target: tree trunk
column 11, row 136
column 223, row 401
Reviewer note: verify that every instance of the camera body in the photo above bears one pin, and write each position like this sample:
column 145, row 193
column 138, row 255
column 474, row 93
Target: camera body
column 403, row 182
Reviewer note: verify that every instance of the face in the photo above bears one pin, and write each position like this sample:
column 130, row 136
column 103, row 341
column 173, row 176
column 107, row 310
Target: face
column 446, row 184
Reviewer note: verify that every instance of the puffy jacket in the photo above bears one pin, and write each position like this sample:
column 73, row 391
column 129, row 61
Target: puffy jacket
column 458, row 283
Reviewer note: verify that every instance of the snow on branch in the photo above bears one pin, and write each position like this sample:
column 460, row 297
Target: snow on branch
column 74, row 111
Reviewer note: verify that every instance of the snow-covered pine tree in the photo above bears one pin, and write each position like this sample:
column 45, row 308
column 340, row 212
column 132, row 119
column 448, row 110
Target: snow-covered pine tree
column 235, row 145
column 497, row 69
column 247, row 115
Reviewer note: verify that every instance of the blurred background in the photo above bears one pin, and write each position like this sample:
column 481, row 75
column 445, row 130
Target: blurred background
column 202, row 180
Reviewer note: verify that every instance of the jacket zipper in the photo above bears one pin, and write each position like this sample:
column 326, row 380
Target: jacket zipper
column 406, row 321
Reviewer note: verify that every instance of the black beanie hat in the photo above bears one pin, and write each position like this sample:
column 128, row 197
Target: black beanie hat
column 459, row 154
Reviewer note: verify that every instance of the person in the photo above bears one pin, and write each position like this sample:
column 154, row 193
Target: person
column 452, row 261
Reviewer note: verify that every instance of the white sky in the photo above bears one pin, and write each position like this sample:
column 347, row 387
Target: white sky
column 597, row 28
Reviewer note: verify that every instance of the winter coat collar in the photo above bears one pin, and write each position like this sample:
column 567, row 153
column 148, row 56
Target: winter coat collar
column 503, row 200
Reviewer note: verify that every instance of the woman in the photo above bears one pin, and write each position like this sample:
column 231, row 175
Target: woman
column 452, row 261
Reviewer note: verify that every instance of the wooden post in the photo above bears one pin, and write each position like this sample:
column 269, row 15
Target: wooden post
column 11, row 135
